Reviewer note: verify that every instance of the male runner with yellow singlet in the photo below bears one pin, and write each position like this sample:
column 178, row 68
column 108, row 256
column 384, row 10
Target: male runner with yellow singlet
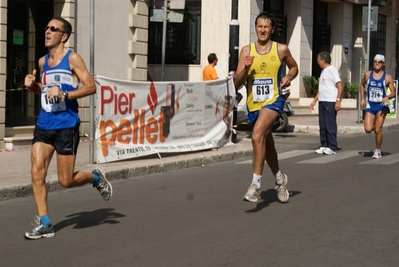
column 260, row 64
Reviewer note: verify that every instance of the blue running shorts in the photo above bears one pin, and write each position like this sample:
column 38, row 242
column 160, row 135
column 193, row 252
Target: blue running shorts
column 278, row 106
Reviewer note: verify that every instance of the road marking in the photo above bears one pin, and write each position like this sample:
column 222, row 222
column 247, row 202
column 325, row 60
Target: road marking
column 284, row 155
column 293, row 153
column 385, row 160
column 323, row 159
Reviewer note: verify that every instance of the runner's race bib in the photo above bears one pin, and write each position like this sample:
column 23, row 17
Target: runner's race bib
column 51, row 105
column 375, row 95
column 262, row 89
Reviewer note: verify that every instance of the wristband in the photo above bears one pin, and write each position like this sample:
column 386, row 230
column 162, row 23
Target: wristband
column 35, row 88
column 65, row 94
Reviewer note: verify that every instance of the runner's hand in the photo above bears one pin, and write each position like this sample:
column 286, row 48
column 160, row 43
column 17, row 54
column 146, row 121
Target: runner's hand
column 30, row 79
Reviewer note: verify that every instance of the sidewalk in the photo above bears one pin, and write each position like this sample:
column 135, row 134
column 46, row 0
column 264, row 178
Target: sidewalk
column 347, row 120
column 15, row 164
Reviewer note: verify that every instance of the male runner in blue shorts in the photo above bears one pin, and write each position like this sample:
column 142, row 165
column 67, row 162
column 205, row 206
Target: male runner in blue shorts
column 261, row 66
column 57, row 127
column 374, row 85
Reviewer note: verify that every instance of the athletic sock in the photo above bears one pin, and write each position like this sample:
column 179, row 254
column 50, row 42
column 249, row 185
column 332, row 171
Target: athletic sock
column 96, row 179
column 45, row 220
column 256, row 179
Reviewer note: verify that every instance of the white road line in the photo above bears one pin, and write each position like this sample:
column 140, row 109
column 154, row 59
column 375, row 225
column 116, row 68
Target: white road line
column 294, row 153
column 323, row 159
column 284, row 155
column 385, row 160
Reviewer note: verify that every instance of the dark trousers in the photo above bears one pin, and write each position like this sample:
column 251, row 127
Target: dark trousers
column 328, row 125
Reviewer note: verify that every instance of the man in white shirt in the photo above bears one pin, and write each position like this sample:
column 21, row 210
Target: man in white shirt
column 329, row 97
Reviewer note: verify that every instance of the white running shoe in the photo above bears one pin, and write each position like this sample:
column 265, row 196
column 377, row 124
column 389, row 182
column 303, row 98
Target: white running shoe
column 40, row 231
column 377, row 154
column 329, row 151
column 103, row 186
column 320, row 150
column 253, row 193
column 281, row 187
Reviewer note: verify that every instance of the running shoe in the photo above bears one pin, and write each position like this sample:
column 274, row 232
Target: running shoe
column 281, row 186
column 377, row 154
column 320, row 150
column 253, row 193
column 329, row 151
column 103, row 186
column 40, row 231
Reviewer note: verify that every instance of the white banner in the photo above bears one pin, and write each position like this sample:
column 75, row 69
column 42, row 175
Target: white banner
column 141, row 118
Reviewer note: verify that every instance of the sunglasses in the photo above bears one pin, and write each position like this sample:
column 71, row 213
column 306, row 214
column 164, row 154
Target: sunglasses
column 378, row 62
column 53, row 29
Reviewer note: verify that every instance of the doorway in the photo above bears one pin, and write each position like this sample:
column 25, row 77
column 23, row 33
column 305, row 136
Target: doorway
column 25, row 45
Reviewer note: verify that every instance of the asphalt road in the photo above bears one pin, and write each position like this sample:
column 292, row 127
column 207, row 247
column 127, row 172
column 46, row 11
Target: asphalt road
column 342, row 212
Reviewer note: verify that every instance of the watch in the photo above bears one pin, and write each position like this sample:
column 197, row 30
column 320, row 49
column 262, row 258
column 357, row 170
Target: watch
column 65, row 94
column 291, row 78
column 338, row 99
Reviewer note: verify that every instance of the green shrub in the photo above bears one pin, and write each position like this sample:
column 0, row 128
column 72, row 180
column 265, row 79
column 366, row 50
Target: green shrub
column 352, row 89
column 311, row 82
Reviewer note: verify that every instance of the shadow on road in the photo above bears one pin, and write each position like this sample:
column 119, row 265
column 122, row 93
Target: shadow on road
column 89, row 218
column 269, row 196
column 369, row 154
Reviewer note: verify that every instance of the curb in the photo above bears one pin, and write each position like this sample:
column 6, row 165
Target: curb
column 341, row 129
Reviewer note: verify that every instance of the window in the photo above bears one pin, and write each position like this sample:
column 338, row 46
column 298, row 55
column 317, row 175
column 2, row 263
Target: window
column 183, row 40
column 377, row 39
column 276, row 8
column 321, row 34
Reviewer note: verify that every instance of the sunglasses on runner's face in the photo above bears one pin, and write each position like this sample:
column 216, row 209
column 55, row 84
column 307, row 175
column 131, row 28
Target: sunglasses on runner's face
column 53, row 29
column 378, row 62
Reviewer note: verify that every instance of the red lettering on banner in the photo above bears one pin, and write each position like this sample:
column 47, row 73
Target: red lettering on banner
column 122, row 104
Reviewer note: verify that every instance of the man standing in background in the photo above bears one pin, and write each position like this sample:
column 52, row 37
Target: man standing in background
column 329, row 97
column 209, row 72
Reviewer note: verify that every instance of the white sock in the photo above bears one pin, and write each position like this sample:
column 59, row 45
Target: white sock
column 279, row 178
column 256, row 179
column 377, row 150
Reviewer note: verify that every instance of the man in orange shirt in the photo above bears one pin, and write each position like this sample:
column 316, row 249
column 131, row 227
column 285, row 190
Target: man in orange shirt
column 209, row 72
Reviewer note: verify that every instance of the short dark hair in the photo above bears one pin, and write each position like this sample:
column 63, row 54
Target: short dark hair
column 325, row 56
column 212, row 57
column 265, row 15
column 66, row 26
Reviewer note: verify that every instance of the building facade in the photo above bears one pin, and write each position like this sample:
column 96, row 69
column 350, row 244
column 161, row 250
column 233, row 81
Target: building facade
column 128, row 43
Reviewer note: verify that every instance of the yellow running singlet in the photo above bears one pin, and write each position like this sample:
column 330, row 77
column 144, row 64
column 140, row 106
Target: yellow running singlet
column 264, row 78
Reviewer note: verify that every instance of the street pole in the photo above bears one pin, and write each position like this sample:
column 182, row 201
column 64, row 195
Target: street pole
column 91, row 125
column 165, row 17
column 368, row 36
column 233, row 59
column 359, row 110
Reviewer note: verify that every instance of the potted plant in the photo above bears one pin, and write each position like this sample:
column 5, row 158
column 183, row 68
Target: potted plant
column 312, row 83
column 352, row 89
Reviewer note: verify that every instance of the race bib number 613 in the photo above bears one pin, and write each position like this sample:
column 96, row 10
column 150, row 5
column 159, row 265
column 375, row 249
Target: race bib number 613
column 262, row 89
